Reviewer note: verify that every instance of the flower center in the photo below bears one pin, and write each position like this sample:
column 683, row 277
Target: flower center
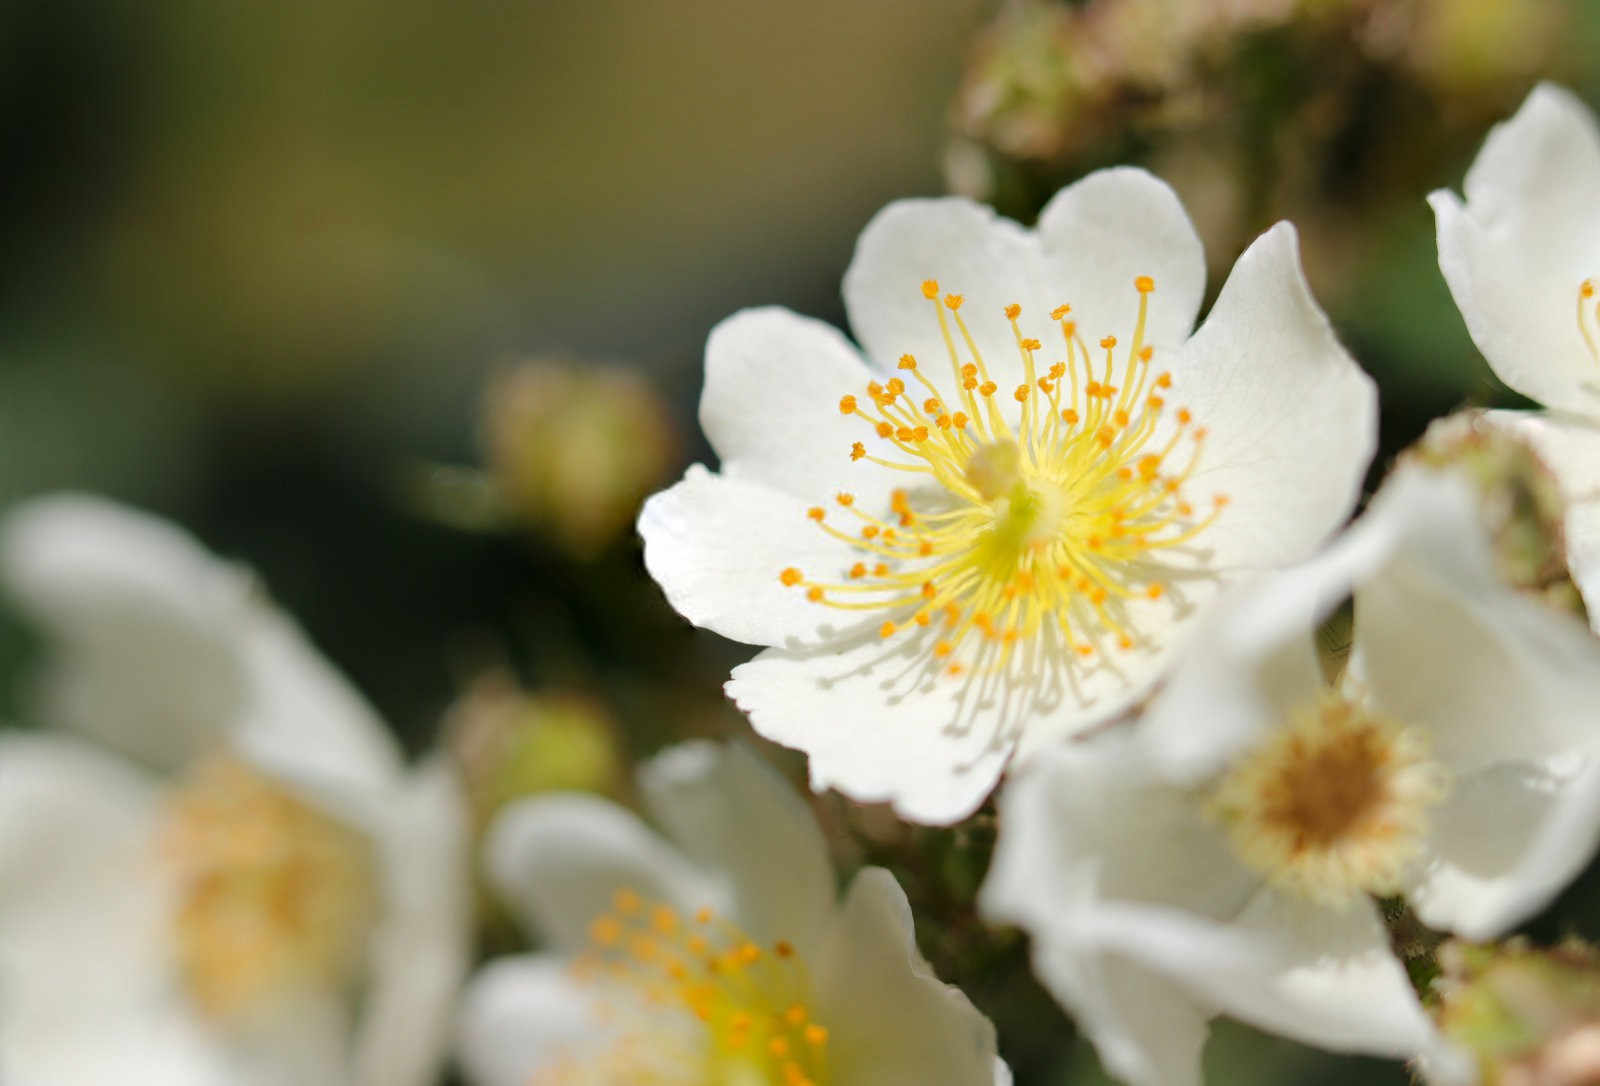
column 274, row 897
column 1334, row 805
column 1589, row 318
column 1053, row 509
column 692, row 1000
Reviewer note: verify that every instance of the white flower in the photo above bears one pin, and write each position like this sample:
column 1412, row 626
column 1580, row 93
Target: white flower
column 716, row 956
column 215, row 868
column 1522, row 258
column 993, row 532
column 1223, row 858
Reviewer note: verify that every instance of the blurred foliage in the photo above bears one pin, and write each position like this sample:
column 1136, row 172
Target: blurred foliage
column 265, row 259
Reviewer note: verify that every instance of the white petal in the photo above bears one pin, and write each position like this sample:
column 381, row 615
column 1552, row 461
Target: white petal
column 1506, row 843
column 1104, row 231
column 732, row 813
column 1321, row 976
column 717, row 546
column 771, row 407
column 970, row 251
column 145, row 659
column 1446, row 647
column 557, row 860
column 890, row 1021
column 871, row 736
column 1292, row 419
column 520, row 1013
column 167, row 653
column 83, row 959
column 1570, row 448
column 1526, row 238
column 421, row 947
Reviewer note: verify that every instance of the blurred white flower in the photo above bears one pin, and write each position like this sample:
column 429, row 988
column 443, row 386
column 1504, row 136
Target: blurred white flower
column 1223, row 859
column 994, row 532
column 1522, row 258
column 214, row 867
column 716, row 955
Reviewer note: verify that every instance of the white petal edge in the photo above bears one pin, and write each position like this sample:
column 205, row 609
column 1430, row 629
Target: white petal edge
column 422, row 945
column 1292, row 420
column 730, row 812
column 1516, row 251
column 557, row 861
column 717, row 547
column 517, row 1014
column 890, row 1021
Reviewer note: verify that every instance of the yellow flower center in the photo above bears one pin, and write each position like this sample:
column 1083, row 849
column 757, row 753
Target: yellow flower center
column 274, row 898
column 1047, row 509
column 1334, row 805
column 1589, row 318
column 694, row 1001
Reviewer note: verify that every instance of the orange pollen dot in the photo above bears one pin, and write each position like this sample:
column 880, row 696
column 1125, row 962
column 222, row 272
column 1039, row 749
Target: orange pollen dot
column 1164, row 381
column 907, row 362
column 1092, row 389
column 1069, row 416
column 922, row 618
column 905, row 433
column 1144, row 284
column 1044, row 385
column 1154, row 591
column 920, row 433
column 932, row 405
column 988, row 388
column 886, row 630
column 702, row 915
column 880, row 570
column 1124, row 473
column 1031, row 344
column 1220, row 500
column 1146, row 353
column 896, row 386
column 1070, row 328
column 953, row 302
column 869, row 532
column 928, row 591
column 857, row 450
column 1200, row 433
column 814, row 594
column 1155, row 403
column 1105, row 437
column 959, row 420
column 943, row 649
column 845, row 498
column 943, row 422
column 930, row 288
column 1120, row 418
column 969, row 370
column 790, row 576
column 1184, row 418
column 874, row 389
column 1124, row 642
column 783, row 948
column 1021, row 393
column 1057, row 370
column 925, row 548
column 954, row 670
column 858, row 571
column 1060, row 311
column 1085, row 650
column 816, row 512
column 816, row 1035
column 885, row 429
column 1013, row 311
column 1587, row 289
column 1184, row 509
column 847, row 405
column 1109, row 342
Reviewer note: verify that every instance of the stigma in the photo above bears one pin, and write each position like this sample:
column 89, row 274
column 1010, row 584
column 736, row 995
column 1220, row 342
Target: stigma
column 274, row 898
column 1046, row 514
column 1334, row 805
column 696, row 1001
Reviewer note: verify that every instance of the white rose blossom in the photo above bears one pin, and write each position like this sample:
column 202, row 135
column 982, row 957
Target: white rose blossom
column 718, row 954
column 1223, row 858
column 1522, row 258
column 991, row 526
column 214, row 866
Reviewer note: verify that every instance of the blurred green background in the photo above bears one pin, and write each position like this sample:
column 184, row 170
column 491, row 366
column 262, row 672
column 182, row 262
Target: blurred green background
column 263, row 260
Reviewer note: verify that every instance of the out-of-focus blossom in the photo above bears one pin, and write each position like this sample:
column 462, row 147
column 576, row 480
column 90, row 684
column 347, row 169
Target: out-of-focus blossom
column 1522, row 257
column 574, row 449
column 1529, row 1017
column 214, row 867
column 511, row 743
column 718, row 954
column 1224, row 860
column 996, row 530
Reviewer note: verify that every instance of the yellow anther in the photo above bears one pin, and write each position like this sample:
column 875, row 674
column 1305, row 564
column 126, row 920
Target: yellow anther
column 988, row 388
column 896, row 386
column 847, row 405
column 1155, row 403
column 703, row 915
column 932, row 406
column 858, row 571
column 1184, row 418
column 930, row 288
column 816, row 1035
column 1146, row 353
column 857, row 450
column 1013, row 311
column 1030, row 344
column 795, row 1015
column 605, row 930
column 922, row 618
column 885, row 429
column 790, row 577
column 904, row 433
column 1021, row 393
column 881, row 569
column 1060, row 311
column 908, row 362
column 1164, row 381
column 1120, row 418
column 943, row 648
column 783, row 948
column 814, row 594
column 928, row 590
column 887, row 629
column 1587, row 289
column 816, row 512
column 869, row 532
column 1154, row 591
column 1108, row 342
column 626, row 901
column 953, row 302
column 959, row 420
column 1144, row 284
column 1069, row 416
column 844, row 497
column 779, row 1047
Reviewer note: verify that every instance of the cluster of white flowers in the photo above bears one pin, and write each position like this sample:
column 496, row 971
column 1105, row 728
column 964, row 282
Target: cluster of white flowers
column 1038, row 528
